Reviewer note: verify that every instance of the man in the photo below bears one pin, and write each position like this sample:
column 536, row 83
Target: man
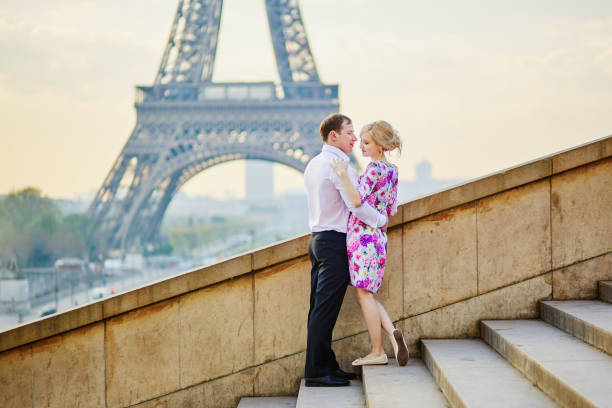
column 328, row 209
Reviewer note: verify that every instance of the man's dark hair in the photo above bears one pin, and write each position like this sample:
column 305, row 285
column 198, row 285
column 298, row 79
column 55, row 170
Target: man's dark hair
column 332, row 122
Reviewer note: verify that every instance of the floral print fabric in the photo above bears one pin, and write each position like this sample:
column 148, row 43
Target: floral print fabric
column 367, row 246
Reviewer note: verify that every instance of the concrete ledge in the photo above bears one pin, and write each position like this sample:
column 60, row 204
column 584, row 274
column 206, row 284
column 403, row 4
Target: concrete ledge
column 581, row 155
column 509, row 178
column 605, row 291
column 569, row 371
column 471, row 374
column 331, row 397
column 178, row 285
column 280, row 252
column 51, row 325
column 478, row 188
column 267, row 402
column 588, row 320
column 394, row 386
column 125, row 302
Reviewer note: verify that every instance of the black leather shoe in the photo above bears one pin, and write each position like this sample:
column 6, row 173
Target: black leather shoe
column 327, row 381
column 344, row 375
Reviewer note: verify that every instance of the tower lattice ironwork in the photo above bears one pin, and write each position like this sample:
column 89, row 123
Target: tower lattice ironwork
column 187, row 123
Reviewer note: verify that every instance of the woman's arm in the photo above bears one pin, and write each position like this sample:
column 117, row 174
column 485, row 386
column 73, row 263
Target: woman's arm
column 339, row 167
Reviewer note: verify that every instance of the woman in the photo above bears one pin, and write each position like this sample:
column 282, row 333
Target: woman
column 367, row 246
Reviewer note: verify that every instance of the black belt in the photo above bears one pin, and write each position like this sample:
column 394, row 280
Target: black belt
column 330, row 232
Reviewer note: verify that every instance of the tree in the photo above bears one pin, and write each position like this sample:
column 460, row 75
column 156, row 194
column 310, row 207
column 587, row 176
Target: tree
column 22, row 206
column 73, row 236
column 32, row 228
column 27, row 222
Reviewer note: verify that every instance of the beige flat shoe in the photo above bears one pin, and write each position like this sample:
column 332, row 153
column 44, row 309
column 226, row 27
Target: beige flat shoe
column 380, row 360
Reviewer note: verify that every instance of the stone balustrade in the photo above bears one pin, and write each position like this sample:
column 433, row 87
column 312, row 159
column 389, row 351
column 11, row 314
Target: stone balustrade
column 487, row 249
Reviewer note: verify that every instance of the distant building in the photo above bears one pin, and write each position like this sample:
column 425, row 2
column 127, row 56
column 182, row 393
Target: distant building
column 294, row 211
column 72, row 206
column 423, row 184
column 14, row 290
column 259, row 181
column 183, row 205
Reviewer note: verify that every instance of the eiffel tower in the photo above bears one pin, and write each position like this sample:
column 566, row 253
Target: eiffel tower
column 186, row 123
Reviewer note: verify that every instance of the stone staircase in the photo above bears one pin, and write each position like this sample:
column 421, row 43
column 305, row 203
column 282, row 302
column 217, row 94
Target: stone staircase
column 564, row 360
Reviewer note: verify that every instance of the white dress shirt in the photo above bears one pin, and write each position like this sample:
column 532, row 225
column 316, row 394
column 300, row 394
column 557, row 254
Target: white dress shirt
column 328, row 202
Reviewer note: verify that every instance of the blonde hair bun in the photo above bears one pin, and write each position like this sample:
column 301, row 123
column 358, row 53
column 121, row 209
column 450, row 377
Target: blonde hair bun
column 384, row 135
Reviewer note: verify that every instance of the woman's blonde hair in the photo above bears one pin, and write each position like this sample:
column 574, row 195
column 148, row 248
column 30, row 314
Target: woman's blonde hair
column 384, row 135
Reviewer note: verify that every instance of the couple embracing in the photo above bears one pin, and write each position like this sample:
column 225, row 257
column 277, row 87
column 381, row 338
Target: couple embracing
column 348, row 219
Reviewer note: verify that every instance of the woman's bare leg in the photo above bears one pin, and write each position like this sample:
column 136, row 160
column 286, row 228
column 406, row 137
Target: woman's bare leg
column 385, row 320
column 371, row 315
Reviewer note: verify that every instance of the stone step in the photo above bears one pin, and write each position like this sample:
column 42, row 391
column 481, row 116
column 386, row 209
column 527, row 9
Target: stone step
column 394, row 386
column 570, row 371
column 472, row 374
column 267, row 402
column 588, row 320
column 605, row 291
column 331, row 397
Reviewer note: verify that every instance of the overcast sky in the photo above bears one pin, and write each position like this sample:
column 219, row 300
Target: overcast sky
column 472, row 86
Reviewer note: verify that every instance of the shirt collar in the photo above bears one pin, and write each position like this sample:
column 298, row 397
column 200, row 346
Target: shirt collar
column 335, row 151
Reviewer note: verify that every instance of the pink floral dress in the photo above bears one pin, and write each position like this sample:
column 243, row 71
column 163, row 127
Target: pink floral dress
column 367, row 246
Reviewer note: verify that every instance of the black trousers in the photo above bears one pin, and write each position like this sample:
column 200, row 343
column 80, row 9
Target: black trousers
column 328, row 281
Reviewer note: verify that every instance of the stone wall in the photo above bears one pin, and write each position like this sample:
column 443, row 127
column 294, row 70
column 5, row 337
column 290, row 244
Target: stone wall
column 488, row 249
